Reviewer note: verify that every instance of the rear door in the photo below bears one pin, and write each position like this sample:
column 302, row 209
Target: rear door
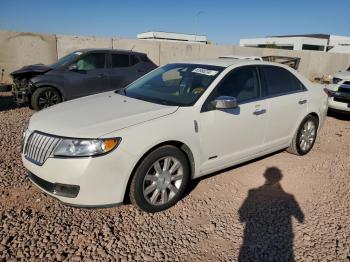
column 124, row 69
column 88, row 76
column 287, row 104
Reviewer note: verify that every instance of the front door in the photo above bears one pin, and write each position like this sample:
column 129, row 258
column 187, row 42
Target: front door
column 230, row 135
column 88, row 76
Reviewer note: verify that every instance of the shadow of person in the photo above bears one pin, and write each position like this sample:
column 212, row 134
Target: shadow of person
column 267, row 213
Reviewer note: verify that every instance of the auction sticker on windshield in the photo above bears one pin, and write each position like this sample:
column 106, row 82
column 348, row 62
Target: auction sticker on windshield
column 204, row 71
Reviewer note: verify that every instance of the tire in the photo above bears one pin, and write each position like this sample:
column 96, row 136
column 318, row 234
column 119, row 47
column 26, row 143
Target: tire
column 153, row 191
column 45, row 97
column 304, row 139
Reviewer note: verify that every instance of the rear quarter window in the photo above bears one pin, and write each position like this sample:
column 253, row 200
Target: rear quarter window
column 279, row 81
column 120, row 60
column 144, row 58
column 133, row 60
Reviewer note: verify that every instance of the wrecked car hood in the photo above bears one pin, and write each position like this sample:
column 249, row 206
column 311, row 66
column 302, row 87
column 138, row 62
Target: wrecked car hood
column 31, row 70
column 96, row 115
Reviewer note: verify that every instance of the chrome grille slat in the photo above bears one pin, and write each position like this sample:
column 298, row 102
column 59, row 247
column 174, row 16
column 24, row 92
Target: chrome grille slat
column 41, row 159
column 35, row 138
column 46, row 149
column 51, row 147
column 39, row 147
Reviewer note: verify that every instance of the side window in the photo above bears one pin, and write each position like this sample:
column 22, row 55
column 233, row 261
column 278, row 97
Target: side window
column 133, row 60
column 120, row 60
column 242, row 83
column 91, row 61
column 280, row 81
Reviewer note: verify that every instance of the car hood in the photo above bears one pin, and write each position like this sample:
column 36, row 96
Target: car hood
column 31, row 70
column 343, row 74
column 97, row 115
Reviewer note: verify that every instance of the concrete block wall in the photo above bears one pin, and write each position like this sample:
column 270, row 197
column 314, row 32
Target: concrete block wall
column 18, row 49
column 144, row 46
column 67, row 44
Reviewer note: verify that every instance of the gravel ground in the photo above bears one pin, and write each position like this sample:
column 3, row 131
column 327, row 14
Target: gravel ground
column 278, row 208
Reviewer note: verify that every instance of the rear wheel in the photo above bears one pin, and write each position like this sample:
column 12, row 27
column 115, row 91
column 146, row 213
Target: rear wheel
column 45, row 97
column 304, row 139
column 160, row 180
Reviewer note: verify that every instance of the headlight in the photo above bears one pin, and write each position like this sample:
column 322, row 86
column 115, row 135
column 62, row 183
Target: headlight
column 85, row 147
column 336, row 80
column 25, row 132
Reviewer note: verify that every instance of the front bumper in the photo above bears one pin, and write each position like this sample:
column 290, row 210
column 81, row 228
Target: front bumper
column 20, row 95
column 339, row 101
column 339, row 97
column 57, row 189
column 84, row 182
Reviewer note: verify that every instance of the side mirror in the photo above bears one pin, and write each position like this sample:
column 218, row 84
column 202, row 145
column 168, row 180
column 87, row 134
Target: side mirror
column 224, row 102
column 73, row 67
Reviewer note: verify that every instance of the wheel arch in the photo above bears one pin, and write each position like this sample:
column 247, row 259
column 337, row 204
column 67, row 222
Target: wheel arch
column 314, row 114
column 180, row 145
column 36, row 87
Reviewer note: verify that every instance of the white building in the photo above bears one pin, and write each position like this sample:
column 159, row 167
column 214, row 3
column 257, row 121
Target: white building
column 174, row 37
column 316, row 42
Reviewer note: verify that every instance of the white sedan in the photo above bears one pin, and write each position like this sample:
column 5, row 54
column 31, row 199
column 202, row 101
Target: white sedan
column 179, row 122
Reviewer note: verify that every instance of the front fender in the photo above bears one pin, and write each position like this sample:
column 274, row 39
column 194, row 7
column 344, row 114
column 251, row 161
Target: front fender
column 176, row 128
column 47, row 80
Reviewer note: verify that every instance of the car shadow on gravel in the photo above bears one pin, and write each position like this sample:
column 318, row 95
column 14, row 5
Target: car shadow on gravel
column 267, row 213
column 194, row 183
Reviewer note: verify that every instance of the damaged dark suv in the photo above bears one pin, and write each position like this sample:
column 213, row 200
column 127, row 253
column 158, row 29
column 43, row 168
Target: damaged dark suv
column 81, row 73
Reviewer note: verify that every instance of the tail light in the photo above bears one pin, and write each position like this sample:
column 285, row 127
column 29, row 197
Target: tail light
column 329, row 93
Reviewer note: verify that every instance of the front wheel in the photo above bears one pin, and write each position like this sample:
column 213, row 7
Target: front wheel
column 160, row 180
column 45, row 97
column 304, row 139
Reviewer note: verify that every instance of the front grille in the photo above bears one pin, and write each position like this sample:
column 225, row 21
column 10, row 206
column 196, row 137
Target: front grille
column 39, row 147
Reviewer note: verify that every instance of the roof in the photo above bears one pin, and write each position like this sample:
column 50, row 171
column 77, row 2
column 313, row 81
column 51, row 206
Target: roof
column 321, row 36
column 109, row 50
column 227, row 62
column 224, row 62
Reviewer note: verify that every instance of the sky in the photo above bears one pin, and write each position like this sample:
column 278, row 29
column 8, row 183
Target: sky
column 224, row 22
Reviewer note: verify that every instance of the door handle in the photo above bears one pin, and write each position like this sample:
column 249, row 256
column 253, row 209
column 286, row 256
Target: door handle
column 101, row 75
column 259, row 112
column 301, row 102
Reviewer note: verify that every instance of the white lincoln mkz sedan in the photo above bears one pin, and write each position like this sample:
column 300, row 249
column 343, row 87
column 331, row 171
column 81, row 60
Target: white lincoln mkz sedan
column 178, row 122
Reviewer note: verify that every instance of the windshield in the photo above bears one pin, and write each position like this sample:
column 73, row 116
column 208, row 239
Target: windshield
column 66, row 59
column 174, row 84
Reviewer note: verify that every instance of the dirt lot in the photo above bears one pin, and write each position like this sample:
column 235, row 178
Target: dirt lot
column 278, row 208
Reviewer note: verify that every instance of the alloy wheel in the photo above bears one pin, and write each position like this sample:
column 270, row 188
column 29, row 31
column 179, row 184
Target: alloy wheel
column 308, row 135
column 163, row 180
column 48, row 98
